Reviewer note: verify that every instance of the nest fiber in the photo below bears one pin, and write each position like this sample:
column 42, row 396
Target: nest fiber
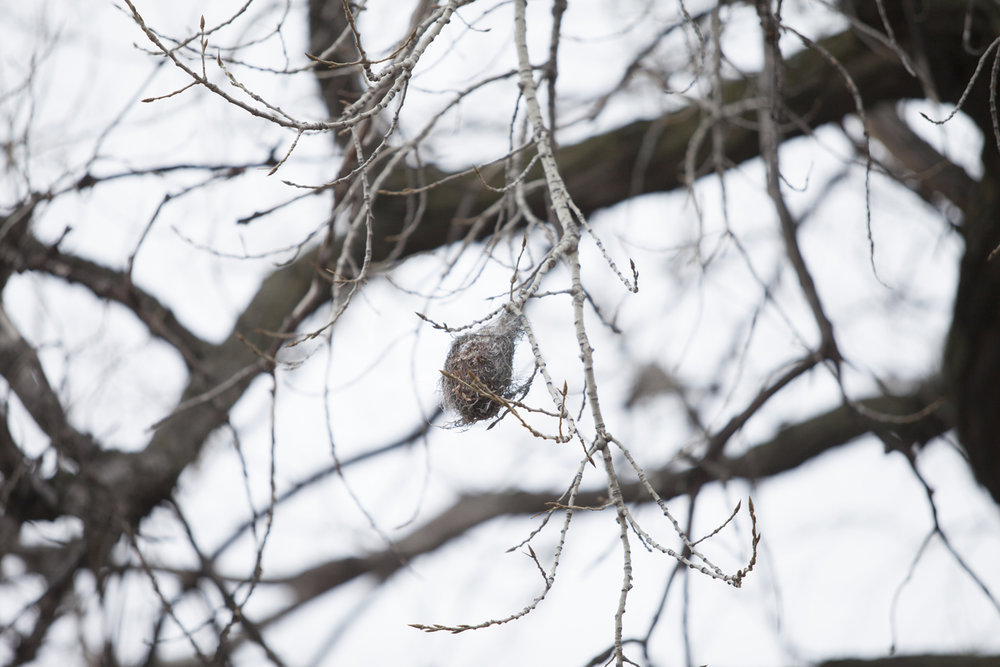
column 480, row 363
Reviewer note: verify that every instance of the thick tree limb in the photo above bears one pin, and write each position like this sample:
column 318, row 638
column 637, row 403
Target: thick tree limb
column 106, row 283
column 789, row 448
column 940, row 660
column 20, row 366
column 972, row 354
column 920, row 166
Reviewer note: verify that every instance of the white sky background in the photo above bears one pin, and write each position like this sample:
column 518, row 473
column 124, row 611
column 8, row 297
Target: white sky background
column 840, row 533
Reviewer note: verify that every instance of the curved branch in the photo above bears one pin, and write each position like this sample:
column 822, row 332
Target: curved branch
column 20, row 366
column 789, row 448
column 920, row 166
column 106, row 283
column 940, row 660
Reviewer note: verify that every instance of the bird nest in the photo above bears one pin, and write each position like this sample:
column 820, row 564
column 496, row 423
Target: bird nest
column 478, row 375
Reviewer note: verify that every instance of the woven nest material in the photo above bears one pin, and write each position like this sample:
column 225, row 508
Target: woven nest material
column 479, row 364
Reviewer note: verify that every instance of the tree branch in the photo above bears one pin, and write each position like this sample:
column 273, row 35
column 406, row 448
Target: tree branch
column 789, row 448
column 940, row 660
column 106, row 283
column 20, row 366
column 919, row 165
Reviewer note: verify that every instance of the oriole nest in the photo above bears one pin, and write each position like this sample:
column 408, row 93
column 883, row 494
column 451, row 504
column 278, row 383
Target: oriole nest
column 479, row 369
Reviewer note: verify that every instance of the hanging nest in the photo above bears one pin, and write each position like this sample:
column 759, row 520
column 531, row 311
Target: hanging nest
column 480, row 363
